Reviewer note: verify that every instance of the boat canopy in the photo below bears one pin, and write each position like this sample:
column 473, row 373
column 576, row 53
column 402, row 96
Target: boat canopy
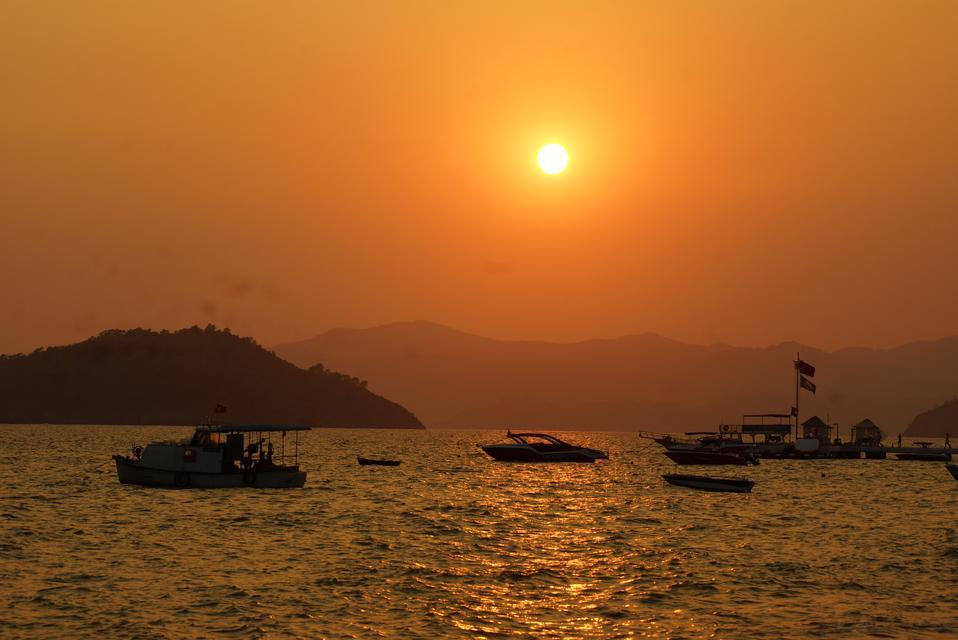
column 252, row 428
column 767, row 428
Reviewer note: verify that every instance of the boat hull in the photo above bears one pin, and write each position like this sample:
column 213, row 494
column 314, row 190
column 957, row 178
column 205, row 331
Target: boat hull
column 705, row 483
column 953, row 470
column 925, row 457
column 382, row 463
column 707, row 457
column 131, row 472
column 511, row 453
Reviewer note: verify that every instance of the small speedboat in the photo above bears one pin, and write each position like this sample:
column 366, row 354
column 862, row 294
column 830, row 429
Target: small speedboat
column 711, row 457
column 381, row 463
column 540, row 447
column 953, row 469
column 706, row 483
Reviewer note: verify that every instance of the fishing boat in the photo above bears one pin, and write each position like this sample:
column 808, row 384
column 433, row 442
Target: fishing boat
column 712, row 456
column 706, row 483
column 382, row 463
column 953, row 470
column 218, row 457
column 540, row 447
column 763, row 434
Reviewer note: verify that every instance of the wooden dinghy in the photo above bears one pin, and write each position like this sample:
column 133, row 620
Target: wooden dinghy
column 699, row 456
column 706, row 483
column 381, row 463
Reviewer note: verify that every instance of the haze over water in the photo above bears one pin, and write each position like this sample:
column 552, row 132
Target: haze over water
column 451, row 544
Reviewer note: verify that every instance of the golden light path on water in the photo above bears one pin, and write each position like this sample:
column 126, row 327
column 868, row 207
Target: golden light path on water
column 451, row 544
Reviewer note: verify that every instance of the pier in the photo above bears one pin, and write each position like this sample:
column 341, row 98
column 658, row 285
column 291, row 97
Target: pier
column 878, row 452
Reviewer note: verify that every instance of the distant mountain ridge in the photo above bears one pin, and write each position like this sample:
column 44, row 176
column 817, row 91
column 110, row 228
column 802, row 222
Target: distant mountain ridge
column 147, row 377
column 937, row 422
column 455, row 379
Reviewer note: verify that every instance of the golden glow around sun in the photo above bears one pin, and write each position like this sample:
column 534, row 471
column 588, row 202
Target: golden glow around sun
column 553, row 158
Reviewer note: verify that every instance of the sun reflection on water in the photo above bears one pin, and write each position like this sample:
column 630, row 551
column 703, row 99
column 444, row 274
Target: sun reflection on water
column 451, row 544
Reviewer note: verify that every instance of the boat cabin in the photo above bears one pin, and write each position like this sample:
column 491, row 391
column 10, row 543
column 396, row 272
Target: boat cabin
column 226, row 449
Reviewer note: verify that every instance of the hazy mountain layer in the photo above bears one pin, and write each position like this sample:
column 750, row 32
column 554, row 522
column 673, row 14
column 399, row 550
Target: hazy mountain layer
column 450, row 378
column 937, row 422
column 144, row 377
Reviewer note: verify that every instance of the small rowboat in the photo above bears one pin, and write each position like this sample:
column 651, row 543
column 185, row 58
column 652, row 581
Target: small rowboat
column 382, row 463
column 712, row 457
column 706, row 483
column 953, row 468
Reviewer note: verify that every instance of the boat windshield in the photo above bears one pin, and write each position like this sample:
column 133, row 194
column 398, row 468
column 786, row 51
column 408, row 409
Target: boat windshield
column 203, row 438
column 537, row 438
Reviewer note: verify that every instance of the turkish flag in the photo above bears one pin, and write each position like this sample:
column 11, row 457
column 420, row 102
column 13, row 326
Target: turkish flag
column 805, row 369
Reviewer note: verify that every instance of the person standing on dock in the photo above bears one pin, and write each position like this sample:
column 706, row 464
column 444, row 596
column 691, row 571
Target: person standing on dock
column 899, row 441
column 947, row 442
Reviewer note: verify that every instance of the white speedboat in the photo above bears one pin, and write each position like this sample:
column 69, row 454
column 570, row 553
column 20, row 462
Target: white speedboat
column 540, row 447
column 218, row 457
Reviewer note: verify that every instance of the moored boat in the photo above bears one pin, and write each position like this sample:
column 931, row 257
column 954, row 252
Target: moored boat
column 707, row 483
column 382, row 463
column 711, row 457
column 540, row 447
column 953, row 470
column 217, row 457
column 925, row 457
column 763, row 434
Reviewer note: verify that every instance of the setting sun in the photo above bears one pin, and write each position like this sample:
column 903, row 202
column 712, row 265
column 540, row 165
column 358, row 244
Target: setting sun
column 553, row 158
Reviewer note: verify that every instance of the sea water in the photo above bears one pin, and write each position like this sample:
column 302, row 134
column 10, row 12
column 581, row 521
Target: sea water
column 452, row 544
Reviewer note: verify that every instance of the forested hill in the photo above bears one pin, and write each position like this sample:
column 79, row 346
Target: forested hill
column 177, row 378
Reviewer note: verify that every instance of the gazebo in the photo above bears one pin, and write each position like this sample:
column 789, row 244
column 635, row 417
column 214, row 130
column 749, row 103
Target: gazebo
column 866, row 433
column 816, row 428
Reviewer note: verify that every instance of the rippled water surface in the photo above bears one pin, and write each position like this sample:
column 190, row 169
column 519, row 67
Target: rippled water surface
column 451, row 544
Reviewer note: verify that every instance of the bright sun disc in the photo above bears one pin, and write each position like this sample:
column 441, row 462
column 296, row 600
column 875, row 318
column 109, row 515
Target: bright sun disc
column 553, row 158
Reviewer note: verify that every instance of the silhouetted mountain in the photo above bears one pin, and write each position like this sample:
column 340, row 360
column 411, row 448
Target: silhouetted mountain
column 145, row 377
column 451, row 378
column 937, row 422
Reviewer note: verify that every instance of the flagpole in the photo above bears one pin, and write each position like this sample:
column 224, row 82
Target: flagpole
column 797, row 389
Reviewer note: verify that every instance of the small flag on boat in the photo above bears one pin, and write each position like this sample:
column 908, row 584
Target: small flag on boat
column 220, row 408
column 805, row 369
column 807, row 384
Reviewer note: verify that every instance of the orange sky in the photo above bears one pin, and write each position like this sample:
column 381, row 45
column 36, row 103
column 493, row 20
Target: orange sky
column 746, row 172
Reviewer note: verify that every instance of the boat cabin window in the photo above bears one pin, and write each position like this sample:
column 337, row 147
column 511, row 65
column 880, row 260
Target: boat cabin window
column 205, row 439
